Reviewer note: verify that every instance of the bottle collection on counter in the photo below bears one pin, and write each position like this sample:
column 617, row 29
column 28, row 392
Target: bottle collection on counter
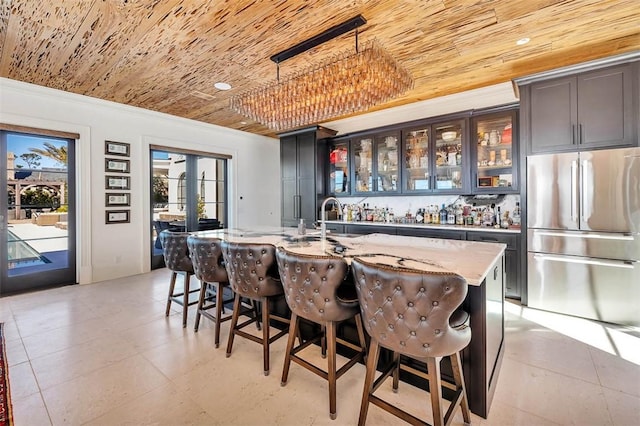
column 489, row 215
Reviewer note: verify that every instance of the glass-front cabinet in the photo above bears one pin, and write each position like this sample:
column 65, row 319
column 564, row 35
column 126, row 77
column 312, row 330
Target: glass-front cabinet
column 339, row 168
column 375, row 160
column 496, row 153
column 416, row 160
column 450, row 156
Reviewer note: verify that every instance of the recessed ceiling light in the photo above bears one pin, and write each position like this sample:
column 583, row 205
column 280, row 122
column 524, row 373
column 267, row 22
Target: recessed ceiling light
column 222, row 86
column 523, row 40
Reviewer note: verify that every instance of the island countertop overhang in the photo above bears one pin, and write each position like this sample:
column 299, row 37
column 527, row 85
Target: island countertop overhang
column 472, row 260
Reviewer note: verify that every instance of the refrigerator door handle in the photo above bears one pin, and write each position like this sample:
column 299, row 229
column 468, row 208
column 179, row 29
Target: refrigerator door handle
column 585, row 187
column 574, row 193
column 626, row 264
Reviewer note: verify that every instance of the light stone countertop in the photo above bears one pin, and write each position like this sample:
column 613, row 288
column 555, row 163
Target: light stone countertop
column 470, row 259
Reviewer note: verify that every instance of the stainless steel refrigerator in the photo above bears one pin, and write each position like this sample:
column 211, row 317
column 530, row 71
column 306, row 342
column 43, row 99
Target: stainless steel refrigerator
column 583, row 220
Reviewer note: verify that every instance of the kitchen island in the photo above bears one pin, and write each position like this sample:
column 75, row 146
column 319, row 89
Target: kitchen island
column 481, row 264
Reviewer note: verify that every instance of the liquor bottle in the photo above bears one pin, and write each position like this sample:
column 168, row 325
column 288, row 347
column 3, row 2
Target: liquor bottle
column 443, row 215
column 427, row 215
column 498, row 218
column 459, row 216
column 451, row 216
column 516, row 215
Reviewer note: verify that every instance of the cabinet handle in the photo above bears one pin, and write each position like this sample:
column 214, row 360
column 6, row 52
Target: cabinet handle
column 580, row 134
column 573, row 134
column 296, row 206
column 495, row 273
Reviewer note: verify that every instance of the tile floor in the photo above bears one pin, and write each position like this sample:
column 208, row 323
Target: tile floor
column 104, row 354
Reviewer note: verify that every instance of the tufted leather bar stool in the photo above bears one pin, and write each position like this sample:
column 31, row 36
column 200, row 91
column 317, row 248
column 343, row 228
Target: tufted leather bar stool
column 176, row 258
column 319, row 289
column 253, row 274
column 415, row 314
column 208, row 265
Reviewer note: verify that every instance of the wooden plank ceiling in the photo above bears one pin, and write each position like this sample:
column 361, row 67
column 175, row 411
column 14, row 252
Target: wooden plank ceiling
column 166, row 55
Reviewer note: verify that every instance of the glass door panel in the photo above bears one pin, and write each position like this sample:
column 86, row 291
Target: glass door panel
column 416, row 161
column 449, row 156
column 386, row 151
column 363, row 160
column 339, row 168
column 212, row 196
column 494, row 151
column 38, row 229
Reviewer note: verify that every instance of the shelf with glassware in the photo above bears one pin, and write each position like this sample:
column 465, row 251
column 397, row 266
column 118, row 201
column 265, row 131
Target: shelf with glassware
column 438, row 147
column 339, row 170
column 496, row 155
column 375, row 160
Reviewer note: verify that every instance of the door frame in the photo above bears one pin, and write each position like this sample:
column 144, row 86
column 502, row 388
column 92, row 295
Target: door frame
column 48, row 278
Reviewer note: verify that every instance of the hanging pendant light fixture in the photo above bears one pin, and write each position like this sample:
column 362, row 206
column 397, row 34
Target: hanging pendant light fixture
column 348, row 82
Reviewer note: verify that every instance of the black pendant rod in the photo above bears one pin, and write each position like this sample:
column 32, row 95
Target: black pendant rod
column 319, row 39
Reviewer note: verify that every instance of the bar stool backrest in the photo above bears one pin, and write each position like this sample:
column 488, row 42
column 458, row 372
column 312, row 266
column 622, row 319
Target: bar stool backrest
column 408, row 311
column 252, row 269
column 310, row 283
column 175, row 251
column 206, row 255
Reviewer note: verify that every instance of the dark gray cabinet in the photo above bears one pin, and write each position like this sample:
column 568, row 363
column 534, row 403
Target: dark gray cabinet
column 589, row 110
column 448, row 234
column 302, row 159
column 511, row 257
column 370, row 229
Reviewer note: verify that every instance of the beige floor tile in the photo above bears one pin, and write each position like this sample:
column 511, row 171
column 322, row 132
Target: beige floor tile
column 554, row 396
column 616, row 373
column 22, row 381
column 79, row 360
column 552, row 351
column 160, row 406
column 30, row 410
column 502, row 415
column 92, row 395
column 10, row 330
column 623, row 408
column 16, row 354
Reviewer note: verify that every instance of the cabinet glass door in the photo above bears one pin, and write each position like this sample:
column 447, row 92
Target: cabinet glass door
column 416, row 161
column 386, row 152
column 449, row 156
column 339, row 168
column 495, row 156
column 363, row 164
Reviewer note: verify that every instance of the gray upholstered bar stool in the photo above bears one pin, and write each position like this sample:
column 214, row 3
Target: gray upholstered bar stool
column 208, row 265
column 176, row 258
column 415, row 314
column 253, row 274
column 320, row 289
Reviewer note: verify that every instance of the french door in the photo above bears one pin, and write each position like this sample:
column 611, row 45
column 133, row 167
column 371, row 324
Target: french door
column 37, row 220
column 188, row 193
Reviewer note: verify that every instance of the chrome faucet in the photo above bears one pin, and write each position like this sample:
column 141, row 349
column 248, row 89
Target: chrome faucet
column 323, row 225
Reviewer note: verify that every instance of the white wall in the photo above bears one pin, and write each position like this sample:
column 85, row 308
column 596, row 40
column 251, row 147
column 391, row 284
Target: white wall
column 113, row 251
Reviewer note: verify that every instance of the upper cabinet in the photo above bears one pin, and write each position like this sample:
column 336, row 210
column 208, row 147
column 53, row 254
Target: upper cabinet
column 375, row 163
column 495, row 154
column 589, row 110
column 435, row 158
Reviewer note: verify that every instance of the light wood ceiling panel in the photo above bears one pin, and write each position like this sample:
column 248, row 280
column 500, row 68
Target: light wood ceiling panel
column 166, row 55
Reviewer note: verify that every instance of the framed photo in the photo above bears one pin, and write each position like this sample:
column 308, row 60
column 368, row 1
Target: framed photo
column 117, row 148
column 114, row 199
column 117, row 182
column 116, row 216
column 116, row 165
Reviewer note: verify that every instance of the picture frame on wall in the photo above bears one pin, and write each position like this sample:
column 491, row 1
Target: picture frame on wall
column 116, row 216
column 115, row 199
column 116, row 165
column 117, row 148
column 117, row 182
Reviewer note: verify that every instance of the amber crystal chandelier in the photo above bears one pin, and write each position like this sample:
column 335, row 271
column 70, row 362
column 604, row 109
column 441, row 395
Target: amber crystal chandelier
column 347, row 82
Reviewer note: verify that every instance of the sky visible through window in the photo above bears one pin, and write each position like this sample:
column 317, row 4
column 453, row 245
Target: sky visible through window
column 21, row 144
